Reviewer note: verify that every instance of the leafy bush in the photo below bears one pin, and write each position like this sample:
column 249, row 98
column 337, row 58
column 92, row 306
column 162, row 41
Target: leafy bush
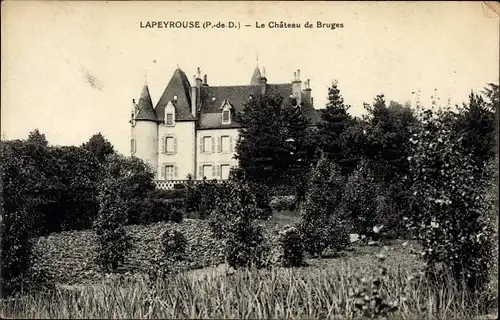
column 169, row 194
column 369, row 301
column 359, row 199
column 291, row 242
column 174, row 243
column 158, row 206
column 323, row 223
column 23, row 183
column 450, row 216
column 136, row 178
column 113, row 242
column 172, row 246
column 283, row 203
column 233, row 221
column 72, row 205
column 200, row 197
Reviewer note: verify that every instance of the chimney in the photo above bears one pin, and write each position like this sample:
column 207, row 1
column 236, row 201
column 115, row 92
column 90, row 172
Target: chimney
column 307, row 91
column 205, row 83
column 194, row 97
column 297, row 87
column 198, row 77
column 263, row 81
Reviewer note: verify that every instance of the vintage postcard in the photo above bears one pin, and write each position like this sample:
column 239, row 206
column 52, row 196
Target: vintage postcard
column 169, row 159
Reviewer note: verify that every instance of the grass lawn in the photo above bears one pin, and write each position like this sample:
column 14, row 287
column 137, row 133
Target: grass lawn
column 319, row 290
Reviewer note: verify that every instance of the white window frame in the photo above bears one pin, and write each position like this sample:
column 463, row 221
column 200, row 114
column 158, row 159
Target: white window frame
column 169, row 110
column 226, row 107
column 166, row 119
column 133, row 146
column 228, row 172
column 165, row 144
column 203, row 146
column 229, row 142
column 210, row 166
column 174, row 174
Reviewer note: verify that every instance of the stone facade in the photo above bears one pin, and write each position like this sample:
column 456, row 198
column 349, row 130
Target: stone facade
column 193, row 129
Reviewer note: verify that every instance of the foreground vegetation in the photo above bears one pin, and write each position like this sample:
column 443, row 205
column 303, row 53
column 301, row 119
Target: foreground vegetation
column 324, row 289
column 397, row 173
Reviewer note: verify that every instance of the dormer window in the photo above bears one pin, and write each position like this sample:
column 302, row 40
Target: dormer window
column 170, row 119
column 226, row 116
column 170, row 114
column 226, row 112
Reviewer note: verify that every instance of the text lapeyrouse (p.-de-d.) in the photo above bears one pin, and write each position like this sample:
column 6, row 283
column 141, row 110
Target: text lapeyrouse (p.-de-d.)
column 197, row 24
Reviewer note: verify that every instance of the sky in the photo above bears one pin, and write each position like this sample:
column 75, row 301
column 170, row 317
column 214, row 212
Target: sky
column 71, row 69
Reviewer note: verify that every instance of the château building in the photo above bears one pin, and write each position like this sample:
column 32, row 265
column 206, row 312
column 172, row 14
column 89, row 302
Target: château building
column 193, row 129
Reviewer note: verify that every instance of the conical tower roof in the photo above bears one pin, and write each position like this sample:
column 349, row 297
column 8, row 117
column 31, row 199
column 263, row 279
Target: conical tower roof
column 256, row 77
column 177, row 91
column 145, row 109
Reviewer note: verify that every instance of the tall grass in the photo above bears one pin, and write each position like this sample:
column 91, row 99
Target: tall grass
column 276, row 293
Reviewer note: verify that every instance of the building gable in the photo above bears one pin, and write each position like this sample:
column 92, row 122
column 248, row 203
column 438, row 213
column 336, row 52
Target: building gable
column 177, row 91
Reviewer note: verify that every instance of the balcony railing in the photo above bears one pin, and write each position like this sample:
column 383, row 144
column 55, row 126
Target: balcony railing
column 169, row 184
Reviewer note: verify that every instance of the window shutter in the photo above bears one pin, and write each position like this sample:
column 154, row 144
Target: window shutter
column 213, row 144
column 175, row 144
column 231, row 144
column 175, row 172
column 219, row 170
column 164, row 144
column 214, row 171
column 220, row 144
column 201, row 144
column 200, row 172
column 163, row 171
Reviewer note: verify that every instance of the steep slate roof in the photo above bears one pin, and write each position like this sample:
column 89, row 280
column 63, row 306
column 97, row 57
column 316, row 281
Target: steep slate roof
column 211, row 101
column 211, row 116
column 145, row 106
column 178, row 85
column 256, row 76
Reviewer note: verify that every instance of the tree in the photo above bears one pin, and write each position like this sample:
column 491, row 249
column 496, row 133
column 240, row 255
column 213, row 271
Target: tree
column 109, row 226
column 301, row 142
column 475, row 121
column 37, row 137
column 73, row 202
column 359, row 199
column 260, row 149
column 388, row 129
column 136, row 180
column 323, row 223
column 298, row 136
column 334, row 121
column 234, row 221
column 99, row 146
column 492, row 95
column 450, row 217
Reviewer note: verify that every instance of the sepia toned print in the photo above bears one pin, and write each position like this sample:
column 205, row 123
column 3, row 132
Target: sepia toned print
column 249, row 160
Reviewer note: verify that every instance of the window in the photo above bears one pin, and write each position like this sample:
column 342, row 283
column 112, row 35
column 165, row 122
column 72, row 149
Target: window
column 224, row 141
column 169, row 172
column 224, row 171
column 170, row 119
column 207, row 145
column 132, row 146
column 170, row 114
column 169, row 145
column 207, row 171
column 226, row 116
column 226, row 112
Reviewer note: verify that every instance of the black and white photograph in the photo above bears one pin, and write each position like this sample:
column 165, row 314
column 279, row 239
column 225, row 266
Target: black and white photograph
column 249, row 159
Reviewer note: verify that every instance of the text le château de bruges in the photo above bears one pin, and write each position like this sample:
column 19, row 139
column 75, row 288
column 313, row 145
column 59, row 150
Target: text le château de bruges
column 196, row 24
